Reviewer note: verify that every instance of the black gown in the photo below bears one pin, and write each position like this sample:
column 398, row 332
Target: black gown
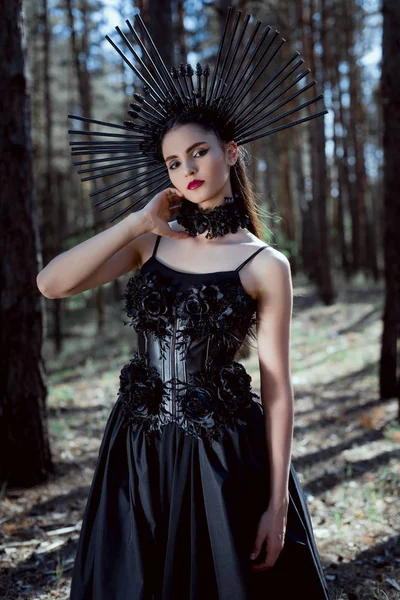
column 182, row 474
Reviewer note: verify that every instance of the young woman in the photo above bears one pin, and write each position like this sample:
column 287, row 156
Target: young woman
column 194, row 494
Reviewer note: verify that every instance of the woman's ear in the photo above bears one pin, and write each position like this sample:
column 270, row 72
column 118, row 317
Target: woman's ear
column 232, row 152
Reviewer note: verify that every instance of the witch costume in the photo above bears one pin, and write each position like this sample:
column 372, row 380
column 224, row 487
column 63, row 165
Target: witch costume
column 182, row 475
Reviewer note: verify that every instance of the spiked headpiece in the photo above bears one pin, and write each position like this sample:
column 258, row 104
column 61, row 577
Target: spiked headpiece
column 244, row 58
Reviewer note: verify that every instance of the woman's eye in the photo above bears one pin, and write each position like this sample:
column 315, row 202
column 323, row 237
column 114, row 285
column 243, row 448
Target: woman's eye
column 173, row 165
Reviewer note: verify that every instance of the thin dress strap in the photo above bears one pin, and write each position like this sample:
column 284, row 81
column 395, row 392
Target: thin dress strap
column 250, row 257
column 156, row 244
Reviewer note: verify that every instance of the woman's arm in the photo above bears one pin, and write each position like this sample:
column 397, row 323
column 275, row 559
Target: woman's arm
column 273, row 335
column 274, row 311
column 112, row 252
column 95, row 261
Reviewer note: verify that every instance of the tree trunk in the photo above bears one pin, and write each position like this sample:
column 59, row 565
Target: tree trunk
column 307, row 250
column 143, row 7
column 80, row 54
column 305, row 198
column 285, row 191
column 25, row 457
column 322, row 268
column 160, row 28
column 344, row 174
column 48, row 218
column 180, row 33
column 389, row 364
column 339, row 143
column 59, row 226
column 324, row 274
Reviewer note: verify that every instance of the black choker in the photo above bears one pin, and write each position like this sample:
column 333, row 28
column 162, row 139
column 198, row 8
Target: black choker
column 219, row 220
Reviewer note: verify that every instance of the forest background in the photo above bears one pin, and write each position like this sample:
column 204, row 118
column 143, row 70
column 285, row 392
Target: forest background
column 329, row 195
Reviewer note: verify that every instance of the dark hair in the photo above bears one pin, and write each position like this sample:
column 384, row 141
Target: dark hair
column 239, row 181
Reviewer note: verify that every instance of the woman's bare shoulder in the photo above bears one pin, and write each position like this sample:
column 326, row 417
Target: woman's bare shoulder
column 270, row 261
column 268, row 269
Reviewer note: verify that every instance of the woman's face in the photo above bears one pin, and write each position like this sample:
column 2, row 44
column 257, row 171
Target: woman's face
column 192, row 153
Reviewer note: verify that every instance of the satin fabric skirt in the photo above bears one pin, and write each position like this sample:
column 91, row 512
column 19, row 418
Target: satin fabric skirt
column 178, row 519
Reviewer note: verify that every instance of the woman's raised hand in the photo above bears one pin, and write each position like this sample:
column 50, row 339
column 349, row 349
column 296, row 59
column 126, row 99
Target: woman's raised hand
column 159, row 211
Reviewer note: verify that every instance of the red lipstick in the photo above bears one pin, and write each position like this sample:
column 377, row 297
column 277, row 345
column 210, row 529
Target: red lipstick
column 195, row 184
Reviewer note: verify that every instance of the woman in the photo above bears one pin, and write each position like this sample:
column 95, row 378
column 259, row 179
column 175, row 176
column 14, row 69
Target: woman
column 194, row 494
column 176, row 508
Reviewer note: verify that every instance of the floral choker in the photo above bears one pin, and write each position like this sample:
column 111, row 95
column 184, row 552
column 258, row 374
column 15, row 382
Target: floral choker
column 219, row 220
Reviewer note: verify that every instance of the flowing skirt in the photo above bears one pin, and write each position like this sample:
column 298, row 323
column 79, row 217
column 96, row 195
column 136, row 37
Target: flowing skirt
column 178, row 519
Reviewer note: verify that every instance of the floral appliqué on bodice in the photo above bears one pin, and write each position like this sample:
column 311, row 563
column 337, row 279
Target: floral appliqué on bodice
column 217, row 312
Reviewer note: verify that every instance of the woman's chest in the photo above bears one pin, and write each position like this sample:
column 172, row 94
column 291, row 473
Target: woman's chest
column 204, row 304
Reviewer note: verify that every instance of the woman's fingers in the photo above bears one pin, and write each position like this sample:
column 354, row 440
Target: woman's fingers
column 167, row 231
column 162, row 207
column 257, row 546
column 273, row 549
column 270, row 539
column 173, row 197
column 173, row 193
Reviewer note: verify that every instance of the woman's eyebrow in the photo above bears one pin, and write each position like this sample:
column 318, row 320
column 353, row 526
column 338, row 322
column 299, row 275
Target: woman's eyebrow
column 187, row 151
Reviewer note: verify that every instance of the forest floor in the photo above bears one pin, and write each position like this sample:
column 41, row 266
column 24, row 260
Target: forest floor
column 346, row 447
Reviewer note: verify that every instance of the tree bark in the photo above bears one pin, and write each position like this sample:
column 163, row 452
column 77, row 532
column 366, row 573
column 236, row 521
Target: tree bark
column 324, row 275
column 285, row 191
column 180, row 32
column 389, row 362
column 340, row 152
column 80, row 54
column 302, row 146
column 160, row 28
column 25, row 457
column 322, row 267
column 49, row 231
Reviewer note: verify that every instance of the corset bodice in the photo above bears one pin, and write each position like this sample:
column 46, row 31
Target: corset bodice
column 190, row 327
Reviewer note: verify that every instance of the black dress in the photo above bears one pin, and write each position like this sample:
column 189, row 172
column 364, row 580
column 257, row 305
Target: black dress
column 182, row 474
